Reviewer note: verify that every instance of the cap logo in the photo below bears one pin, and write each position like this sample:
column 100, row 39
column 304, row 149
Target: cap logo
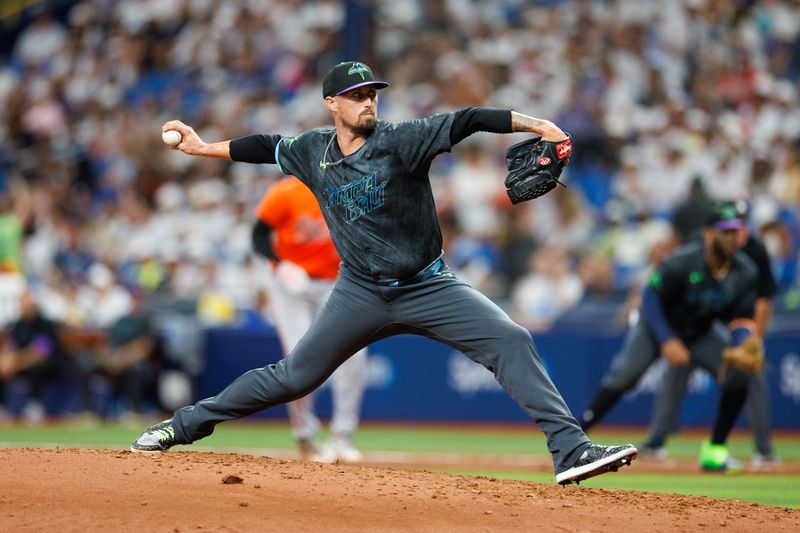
column 728, row 212
column 360, row 69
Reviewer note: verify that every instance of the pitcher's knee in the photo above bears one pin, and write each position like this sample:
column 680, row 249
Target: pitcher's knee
column 516, row 335
column 287, row 386
column 508, row 345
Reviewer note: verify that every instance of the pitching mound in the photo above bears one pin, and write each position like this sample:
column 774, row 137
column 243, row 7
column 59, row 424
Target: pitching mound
column 103, row 490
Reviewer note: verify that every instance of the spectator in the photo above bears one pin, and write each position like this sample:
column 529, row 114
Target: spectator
column 41, row 40
column 31, row 358
column 129, row 362
column 550, row 289
column 689, row 215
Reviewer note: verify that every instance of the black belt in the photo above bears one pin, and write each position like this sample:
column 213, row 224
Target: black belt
column 423, row 275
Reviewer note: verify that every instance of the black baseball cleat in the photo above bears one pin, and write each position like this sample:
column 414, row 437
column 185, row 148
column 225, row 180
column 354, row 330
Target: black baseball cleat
column 598, row 460
column 157, row 438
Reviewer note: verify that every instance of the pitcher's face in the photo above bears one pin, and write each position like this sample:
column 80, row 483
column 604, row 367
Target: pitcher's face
column 357, row 110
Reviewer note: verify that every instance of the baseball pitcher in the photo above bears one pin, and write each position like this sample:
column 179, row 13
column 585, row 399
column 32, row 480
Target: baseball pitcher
column 370, row 177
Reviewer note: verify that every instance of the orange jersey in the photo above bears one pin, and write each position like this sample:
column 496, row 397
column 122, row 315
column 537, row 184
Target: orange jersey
column 300, row 233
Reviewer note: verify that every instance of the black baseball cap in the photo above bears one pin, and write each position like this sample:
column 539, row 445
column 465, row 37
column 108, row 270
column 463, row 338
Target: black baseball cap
column 726, row 216
column 347, row 76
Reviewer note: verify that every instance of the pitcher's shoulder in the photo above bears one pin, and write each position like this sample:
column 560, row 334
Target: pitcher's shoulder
column 311, row 137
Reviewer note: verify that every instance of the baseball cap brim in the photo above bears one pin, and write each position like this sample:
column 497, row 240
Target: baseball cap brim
column 724, row 225
column 377, row 84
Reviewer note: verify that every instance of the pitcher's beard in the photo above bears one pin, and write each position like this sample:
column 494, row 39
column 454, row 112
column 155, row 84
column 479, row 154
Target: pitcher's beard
column 365, row 126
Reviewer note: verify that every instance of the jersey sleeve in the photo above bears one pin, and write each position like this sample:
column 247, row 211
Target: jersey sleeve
column 293, row 155
column 419, row 140
column 474, row 119
column 652, row 312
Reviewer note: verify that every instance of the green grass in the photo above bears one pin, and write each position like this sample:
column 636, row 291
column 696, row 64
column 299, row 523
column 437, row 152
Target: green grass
column 766, row 489
column 398, row 437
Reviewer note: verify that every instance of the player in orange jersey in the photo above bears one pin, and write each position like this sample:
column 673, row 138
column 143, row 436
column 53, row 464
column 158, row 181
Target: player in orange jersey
column 291, row 232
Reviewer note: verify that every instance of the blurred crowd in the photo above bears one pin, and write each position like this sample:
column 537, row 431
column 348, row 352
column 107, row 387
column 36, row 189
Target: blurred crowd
column 669, row 103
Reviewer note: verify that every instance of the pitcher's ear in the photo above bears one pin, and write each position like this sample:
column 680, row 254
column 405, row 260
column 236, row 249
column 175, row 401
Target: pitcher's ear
column 331, row 102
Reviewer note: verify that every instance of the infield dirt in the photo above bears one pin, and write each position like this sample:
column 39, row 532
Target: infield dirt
column 106, row 490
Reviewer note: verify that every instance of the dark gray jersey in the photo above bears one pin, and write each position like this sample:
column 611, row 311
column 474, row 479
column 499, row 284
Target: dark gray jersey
column 377, row 202
column 692, row 298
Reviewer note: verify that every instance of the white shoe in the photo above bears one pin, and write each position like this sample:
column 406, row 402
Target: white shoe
column 343, row 450
column 309, row 451
column 765, row 462
column 654, row 453
column 33, row 414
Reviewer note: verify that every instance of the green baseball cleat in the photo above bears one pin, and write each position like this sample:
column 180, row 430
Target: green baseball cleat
column 717, row 458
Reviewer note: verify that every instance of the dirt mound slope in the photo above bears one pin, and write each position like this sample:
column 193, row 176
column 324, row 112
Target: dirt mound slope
column 106, row 490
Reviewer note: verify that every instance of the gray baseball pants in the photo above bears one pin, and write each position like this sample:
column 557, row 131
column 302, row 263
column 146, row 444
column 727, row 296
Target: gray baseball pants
column 360, row 312
column 641, row 349
column 666, row 410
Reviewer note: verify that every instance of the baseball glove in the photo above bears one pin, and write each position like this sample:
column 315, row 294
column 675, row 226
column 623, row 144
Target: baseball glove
column 747, row 358
column 534, row 167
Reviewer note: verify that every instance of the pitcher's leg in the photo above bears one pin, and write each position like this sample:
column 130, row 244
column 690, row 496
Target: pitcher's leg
column 342, row 328
column 461, row 317
column 292, row 313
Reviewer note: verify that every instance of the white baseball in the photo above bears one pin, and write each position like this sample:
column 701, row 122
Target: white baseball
column 171, row 137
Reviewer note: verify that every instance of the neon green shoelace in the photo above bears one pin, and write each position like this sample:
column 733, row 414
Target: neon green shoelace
column 165, row 434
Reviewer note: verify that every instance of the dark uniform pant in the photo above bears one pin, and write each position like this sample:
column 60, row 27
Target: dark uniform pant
column 667, row 407
column 641, row 349
column 360, row 312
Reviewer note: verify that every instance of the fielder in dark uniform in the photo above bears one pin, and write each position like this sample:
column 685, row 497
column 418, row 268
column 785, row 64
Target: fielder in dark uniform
column 371, row 179
column 674, row 385
column 699, row 301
